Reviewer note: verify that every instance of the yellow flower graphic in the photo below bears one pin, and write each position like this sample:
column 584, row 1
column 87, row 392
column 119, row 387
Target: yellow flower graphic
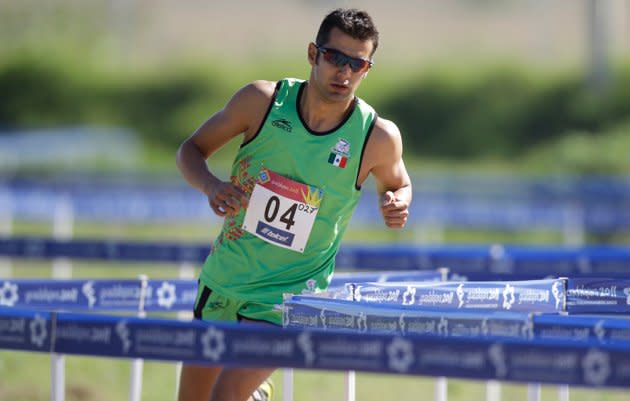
column 313, row 197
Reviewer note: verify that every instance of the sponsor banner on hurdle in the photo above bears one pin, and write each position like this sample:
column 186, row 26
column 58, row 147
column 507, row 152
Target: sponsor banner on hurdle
column 605, row 329
column 25, row 330
column 520, row 296
column 98, row 249
column 475, row 262
column 598, row 295
column 125, row 337
column 587, row 363
column 340, row 279
column 71, row 294
column 312, row 312
column 121, row 295
column 170, row 295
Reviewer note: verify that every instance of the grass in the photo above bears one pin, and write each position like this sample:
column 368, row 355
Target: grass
column 100, row 379
column 356, row 233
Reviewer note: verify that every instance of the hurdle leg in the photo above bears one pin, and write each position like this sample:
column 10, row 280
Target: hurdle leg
column 61, row 269
column 57, row 377
column 186, row 271
column 135, row 388
column 441, row 389
column 287, row 384
column 351, row 381
column 6, row 268
column 533, row 391
column 137, row 365
column 573, row 225
column 563, row 393
column 493, row 390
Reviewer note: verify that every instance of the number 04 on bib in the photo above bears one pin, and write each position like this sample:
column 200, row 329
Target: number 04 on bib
column 282, row 211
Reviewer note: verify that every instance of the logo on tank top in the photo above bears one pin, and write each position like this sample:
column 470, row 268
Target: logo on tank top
column 282, row 124
column 340, row 154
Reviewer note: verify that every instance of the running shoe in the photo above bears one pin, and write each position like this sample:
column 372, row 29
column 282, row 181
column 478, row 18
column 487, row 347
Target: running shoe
column 264, row 392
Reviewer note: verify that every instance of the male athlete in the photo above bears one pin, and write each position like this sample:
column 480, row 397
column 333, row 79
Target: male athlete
column 307, row 148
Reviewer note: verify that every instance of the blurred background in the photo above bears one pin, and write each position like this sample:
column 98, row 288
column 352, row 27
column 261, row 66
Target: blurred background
column 515, row 114
column 515, row 117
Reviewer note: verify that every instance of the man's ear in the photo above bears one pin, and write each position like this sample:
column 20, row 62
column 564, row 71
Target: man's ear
column 312, row 54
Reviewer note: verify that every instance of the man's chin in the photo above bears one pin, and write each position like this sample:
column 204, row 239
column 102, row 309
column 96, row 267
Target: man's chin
column 336, row 97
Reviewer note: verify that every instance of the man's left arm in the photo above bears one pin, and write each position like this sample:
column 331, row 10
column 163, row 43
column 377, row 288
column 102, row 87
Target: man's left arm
column 393, row 184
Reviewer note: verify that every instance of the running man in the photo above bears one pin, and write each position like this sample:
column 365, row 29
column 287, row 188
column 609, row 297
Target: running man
column 307, row 148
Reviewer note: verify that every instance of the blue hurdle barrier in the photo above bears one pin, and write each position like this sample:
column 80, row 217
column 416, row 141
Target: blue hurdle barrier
column 475, row 262
column 606, row 329
column 466, row 309
column 100, row 295
column 141, row 296
column 598, row 295
column 315, row 312
column 597, row 205
column 586, row 256
column 588, row 363
column 324, row 313
column 173, row 295
column 573, row 295
column 545, row 296
column 164, row 295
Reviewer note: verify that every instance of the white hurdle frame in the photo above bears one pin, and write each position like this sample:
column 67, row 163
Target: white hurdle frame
column 287, row 384
column 63, row 222
column 137, row 365
column 351, row 383
column 185, row 271
column 62, row 269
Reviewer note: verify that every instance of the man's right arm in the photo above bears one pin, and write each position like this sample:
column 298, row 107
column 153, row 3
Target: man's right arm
column 243, row 114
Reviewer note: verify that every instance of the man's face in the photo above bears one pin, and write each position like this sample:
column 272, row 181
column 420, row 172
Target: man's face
column 338, row 84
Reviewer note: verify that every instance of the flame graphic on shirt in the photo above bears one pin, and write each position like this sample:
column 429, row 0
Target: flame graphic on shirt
column 313, row 197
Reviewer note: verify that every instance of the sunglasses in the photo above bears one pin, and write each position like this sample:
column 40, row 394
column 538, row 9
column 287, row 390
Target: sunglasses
column 340, row 59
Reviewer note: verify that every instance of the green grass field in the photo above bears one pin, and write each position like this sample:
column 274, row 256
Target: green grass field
column 26, row 377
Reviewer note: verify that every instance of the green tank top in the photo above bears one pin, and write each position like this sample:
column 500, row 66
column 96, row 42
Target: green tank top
column 302, row 189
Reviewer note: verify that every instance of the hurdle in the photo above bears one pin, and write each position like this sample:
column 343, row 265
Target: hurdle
column 589, row 363
column 164, row 295
column 141, row 295
column 474, row 262
column 485, row 260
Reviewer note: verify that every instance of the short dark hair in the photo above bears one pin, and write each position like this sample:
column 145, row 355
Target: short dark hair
column 356, row 23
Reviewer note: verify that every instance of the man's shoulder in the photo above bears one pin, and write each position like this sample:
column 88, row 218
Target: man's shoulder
column 385, row 129
column 261, row 89
column 254, row 96
column 384, row 144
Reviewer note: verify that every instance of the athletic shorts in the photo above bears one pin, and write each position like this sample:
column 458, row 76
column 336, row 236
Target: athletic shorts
column 212, row 307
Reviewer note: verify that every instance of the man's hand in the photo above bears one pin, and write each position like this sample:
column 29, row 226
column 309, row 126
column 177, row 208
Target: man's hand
column 226, row 199
column 394, row 211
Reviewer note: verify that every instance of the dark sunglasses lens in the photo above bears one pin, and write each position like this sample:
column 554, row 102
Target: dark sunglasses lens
column 357, row 65
column 330, row 56
column 339, row 59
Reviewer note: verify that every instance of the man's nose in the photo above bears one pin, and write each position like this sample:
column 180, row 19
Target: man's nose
column 345, row 69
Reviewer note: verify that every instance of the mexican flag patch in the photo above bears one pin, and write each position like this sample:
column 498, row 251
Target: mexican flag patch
column 337, row 160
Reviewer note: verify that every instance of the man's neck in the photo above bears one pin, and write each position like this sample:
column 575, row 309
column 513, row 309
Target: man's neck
column 318, row 113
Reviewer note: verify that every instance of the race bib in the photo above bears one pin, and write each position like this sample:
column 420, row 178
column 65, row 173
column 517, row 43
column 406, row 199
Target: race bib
column 282, row 211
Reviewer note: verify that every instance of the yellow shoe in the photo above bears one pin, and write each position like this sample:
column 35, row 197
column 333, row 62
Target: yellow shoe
column 264, row 392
